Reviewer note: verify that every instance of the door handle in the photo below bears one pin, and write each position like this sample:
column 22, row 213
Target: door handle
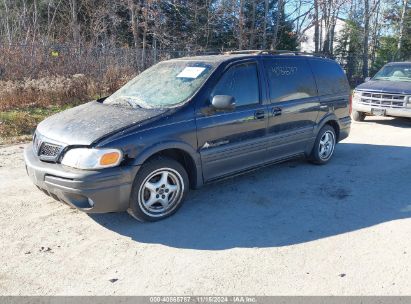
column 259, row 114
column 276, row 111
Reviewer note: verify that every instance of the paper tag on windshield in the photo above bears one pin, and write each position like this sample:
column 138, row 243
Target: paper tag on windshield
column 190, row 72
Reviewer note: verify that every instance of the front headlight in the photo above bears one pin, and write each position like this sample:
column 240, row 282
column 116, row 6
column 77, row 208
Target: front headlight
column 356, row 96
column 87, row 159
column 408, row 101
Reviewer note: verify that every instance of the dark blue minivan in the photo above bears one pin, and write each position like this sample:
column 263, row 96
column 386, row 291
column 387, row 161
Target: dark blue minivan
column 186, row 122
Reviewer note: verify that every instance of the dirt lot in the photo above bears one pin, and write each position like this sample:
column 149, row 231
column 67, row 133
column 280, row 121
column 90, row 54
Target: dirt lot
column 294, row 228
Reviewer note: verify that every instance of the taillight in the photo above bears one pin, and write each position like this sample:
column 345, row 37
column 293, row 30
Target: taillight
column 350, row 101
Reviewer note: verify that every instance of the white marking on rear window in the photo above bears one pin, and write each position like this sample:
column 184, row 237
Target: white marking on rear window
column 284, row 70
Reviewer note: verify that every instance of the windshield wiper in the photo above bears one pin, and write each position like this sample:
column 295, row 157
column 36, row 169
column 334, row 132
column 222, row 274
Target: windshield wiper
column 124, row 102
column 134, row 105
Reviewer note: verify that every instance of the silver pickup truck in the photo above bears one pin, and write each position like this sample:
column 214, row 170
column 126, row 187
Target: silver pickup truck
column 388, row 93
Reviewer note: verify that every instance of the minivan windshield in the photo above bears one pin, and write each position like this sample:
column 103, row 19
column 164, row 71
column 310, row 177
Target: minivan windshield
column 164, row 85
column 400, row 72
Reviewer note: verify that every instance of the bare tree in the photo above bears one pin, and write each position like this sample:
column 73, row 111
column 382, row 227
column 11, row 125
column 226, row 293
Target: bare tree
column 52, row 10
column 280, row 12
column 7, row 21
column 134, row 16
column 264, row 43
column 145, row 9
column 401, row 30
column 75, row 27
column 252, row 30
column 366, row 36
column 241, row 26
column 316, row 26
column 375, row 32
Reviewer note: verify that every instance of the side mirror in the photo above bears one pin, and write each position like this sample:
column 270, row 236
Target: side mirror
column 367, row 79
column 223, row 102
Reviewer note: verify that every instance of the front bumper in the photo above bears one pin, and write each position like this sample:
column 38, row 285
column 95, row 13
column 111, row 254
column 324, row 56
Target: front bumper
column 108, row 189
column 397, row 112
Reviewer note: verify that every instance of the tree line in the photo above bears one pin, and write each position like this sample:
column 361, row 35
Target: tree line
column 374, row 32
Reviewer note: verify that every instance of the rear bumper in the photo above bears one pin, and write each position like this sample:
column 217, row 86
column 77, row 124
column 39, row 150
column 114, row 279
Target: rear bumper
column 98, row 191
column 397, row 112
column 345, row 127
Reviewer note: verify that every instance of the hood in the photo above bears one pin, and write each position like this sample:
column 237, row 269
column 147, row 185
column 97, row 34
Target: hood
column 386, row 86
column 85, row 124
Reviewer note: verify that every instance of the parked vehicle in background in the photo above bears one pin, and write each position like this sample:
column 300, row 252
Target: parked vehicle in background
column 186, row 122
column 388, row 93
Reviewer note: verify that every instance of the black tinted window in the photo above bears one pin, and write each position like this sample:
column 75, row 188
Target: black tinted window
column 289, row 79
column 241, row 82
column 329, row 76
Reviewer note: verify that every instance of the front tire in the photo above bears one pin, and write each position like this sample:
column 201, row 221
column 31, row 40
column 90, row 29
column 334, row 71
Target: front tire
column 358, row 116
column 158, row 190
column 324, row 146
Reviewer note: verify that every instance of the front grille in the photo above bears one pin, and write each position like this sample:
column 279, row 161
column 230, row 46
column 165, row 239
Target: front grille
column 49, row 150
column 384, row 100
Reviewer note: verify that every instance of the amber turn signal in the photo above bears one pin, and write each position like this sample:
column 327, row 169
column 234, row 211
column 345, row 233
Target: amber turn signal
column 109, row 158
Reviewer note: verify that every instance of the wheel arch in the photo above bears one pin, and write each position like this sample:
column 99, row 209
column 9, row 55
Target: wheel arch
column 331, row 120
column 182, row 153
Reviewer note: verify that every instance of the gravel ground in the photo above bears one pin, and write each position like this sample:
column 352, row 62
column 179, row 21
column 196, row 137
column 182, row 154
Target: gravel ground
column 294, row 228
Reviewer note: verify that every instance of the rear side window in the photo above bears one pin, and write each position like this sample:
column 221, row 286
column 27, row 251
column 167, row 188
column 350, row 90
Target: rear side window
column 329, row 76
column 289, row 79
column 241, row 82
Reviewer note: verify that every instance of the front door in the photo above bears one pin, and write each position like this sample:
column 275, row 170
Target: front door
column 233, row 140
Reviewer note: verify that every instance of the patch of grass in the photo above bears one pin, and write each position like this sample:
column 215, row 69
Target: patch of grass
column 17, row 125
column 24, row 102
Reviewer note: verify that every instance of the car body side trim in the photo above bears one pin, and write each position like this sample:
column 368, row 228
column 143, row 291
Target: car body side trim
column 257, row 167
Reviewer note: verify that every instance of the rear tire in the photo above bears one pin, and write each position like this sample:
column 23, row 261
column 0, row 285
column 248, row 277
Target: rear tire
column 158, row 190
column 324, row 146
column 358, row 116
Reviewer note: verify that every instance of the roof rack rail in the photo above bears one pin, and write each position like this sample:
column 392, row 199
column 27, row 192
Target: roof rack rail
column 242, row 52
column 287, row 52
column 274, row 52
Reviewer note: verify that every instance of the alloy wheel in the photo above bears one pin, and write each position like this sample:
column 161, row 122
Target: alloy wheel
column 326, row 145
column 160, row 192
